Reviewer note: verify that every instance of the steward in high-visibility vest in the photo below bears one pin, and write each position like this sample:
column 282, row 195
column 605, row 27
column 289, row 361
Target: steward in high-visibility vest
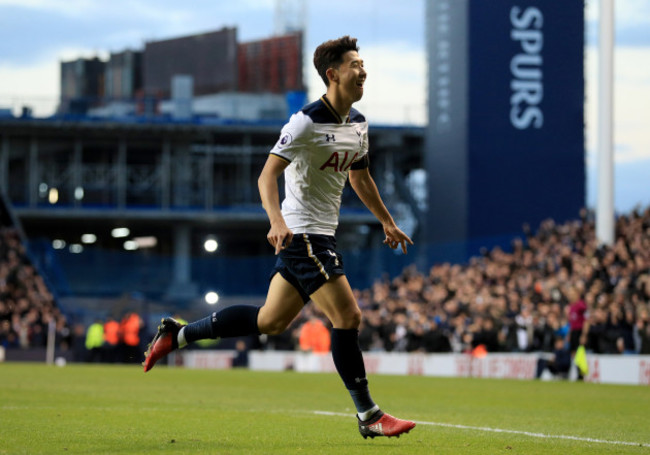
column 112, row 332
column 130, row 331
column 94, row 341
column 112, row 339
column 314, row 336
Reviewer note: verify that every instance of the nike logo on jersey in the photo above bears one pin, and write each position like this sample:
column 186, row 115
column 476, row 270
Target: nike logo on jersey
column 339, row 164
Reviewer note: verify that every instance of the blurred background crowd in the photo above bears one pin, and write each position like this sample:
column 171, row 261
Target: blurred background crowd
column 555, row 283
column 27, row 308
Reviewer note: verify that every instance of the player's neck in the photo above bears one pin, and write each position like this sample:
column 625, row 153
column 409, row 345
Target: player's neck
column 339, row 102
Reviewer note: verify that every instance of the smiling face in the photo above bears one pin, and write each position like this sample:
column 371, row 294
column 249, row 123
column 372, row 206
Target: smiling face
column 350, row 76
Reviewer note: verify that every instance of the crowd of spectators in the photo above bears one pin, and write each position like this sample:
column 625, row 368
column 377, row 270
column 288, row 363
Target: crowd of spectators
column 554, row 283
column 27, row 308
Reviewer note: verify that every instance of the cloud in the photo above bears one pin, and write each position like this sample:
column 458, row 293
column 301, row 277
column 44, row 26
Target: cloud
column 32, row 30
column 631, row 103
column 70, row 7
column 36, row 86
column 631, row 134
column 371, row 21
column 630, row 185
column 632, row 12
column 631, row 22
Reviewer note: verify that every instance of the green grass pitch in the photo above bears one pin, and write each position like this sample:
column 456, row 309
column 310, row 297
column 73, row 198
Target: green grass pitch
column 94, row 409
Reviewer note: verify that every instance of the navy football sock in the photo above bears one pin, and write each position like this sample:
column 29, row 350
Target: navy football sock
column 233, row 321
column 349, row 364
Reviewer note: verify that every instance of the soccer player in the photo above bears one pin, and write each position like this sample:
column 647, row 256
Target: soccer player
column 320, row 147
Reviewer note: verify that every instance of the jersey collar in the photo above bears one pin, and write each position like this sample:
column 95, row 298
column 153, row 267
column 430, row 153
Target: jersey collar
column 335, row 114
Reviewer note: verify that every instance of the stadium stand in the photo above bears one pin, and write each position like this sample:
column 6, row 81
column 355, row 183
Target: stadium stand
column 520, row 301
column 27, row 307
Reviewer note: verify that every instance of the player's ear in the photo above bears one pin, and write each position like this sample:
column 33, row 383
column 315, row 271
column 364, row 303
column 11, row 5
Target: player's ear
column 332, row 74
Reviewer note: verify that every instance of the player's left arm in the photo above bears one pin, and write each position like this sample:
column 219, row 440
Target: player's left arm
column 364, row 185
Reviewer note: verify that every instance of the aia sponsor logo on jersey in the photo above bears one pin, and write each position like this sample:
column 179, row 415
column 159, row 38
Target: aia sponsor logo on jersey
column 339, row 161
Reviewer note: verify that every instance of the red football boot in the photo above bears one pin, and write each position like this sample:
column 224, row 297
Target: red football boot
column 163, row 343
column 382, row 424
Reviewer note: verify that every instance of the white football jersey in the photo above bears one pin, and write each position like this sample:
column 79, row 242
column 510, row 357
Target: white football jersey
column 320, row 149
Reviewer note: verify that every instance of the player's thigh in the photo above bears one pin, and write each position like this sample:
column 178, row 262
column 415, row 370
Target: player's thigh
column 336, row 300
column 283, row 303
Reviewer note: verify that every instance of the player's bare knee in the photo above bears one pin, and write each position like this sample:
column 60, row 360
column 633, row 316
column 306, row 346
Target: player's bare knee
column 271, row 327
column 349, row 319
column 355, row 319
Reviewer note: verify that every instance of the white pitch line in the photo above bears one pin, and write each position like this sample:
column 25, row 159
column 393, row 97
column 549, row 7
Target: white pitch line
column 501, row 430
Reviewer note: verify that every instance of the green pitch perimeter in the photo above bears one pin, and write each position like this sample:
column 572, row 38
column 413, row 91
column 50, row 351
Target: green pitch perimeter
column 82, row 409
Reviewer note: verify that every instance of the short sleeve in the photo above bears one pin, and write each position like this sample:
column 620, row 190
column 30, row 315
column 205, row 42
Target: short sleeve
column 293, row 137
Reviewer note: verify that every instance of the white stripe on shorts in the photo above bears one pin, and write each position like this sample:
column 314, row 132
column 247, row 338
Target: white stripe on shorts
column 310, row 253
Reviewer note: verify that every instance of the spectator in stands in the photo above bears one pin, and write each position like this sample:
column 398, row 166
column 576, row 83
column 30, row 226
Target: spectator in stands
column 628, row 324
column 8, row 338
column 369, row 338
column 435, row 339
column 643, row 332
column 544, row 332
column 486, row 335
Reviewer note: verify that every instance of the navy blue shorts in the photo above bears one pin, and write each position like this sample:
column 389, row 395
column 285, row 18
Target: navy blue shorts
column 309, row 262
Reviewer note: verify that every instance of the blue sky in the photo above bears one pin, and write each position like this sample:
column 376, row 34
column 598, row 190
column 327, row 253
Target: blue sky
column 35, row 35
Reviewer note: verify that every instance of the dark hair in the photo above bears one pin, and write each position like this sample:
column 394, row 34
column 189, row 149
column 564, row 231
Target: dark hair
column 330, row 54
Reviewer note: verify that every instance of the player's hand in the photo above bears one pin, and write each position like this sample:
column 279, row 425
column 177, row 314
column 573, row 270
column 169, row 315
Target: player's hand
column 395, row 237
column 279, row 236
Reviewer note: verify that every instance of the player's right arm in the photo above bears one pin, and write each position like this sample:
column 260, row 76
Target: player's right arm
column 279, row 236
column 291, row 142
column 364, row 185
